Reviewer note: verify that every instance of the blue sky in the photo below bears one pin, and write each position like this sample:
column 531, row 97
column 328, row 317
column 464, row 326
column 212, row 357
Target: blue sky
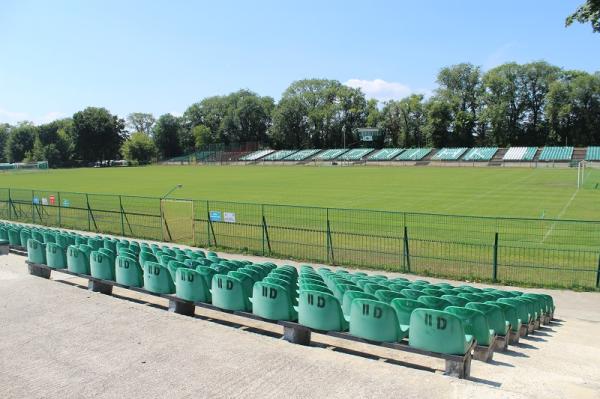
column 161, row 56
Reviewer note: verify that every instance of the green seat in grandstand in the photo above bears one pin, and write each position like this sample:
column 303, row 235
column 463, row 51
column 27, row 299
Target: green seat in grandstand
column 320, row 311
column 62, row 240
column 95, row 243
column 36, row 252
column 36, row 235
column 247, row 281
column 229, row 293
column 471, row 297
column 433, row 292
column 375, row 321
column 540, row 302
column 128, row 272
column 78, row 261
column 495, row 316
column 190, row 285
column 49, row 237
column 172, row 266
column 521, row 307
column 411, row 294
column 24, row 235
column 404, row 308
column 102, row 266
column 273, row 302
column 534, row 312
column 387, row 295
column 80, row 240
column 398, row 286
column 14, row 238
column 316, row 287
column 158, row 279
column 371, row 288
column 475, row 322
column 455, row 300
column 434, row 302
column 55, row 256
column 339, row 289
column 438, row 331
column 349, row 296
column 110, row 244
column 510, row 315
column 4, row 235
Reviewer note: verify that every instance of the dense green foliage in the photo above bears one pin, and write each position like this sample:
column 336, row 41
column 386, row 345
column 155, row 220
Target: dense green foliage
column 139, row 148
column 533, row 104
column 587, row 12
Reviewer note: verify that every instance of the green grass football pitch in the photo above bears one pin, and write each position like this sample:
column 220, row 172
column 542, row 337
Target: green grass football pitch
column 508, row 192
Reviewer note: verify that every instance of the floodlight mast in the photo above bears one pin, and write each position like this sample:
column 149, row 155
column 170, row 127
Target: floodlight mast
column 178, row 186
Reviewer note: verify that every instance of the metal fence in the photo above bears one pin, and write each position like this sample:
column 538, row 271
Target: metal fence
column 555, row 253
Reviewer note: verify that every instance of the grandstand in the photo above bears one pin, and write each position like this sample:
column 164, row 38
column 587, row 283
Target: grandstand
column 449, row 154
column 279, row 155
column 480, row 154
column 41, row 165
column 477, row 322
column 253, row 156
column 414, row 154
column 385, row 154
column 355, row 155
column 520, row 154
column 302, row 155
column 592, row 154
column 329, row 155
column 556, row 154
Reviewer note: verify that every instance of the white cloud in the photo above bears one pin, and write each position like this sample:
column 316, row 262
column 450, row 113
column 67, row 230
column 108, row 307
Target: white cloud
column 51, row 116
column 12, row 117
column 382, row 90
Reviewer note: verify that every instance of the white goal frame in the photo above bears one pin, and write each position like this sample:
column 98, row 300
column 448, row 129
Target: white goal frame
column 581, row 167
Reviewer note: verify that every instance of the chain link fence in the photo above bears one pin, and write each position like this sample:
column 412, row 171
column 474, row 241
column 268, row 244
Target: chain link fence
column 551, row 253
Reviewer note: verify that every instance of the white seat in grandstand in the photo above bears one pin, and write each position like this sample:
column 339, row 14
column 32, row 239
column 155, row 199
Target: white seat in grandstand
column 520, row 154
column 253, row 156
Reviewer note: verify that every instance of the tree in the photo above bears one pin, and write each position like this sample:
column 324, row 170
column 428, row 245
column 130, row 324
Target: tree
column 403, row 122
column 37, row 152
column 139, row 148
column 20, row 142
column 141, row 122
column 201, row 135
column 58, row 142
column 98, row 134
column 4, row 132
column 587, row 12
column 461, row 89
column 319, row 113
column 166, row 136
column 439, row 120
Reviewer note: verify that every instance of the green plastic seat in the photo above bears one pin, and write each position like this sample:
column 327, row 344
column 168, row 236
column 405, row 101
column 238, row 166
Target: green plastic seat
column 349, row 296
column 147, row 257
column 24, row 235
column 207, row 275
column 387, row 295
column 375, row 321
column 35, row 234
column 398, row 287
column 411, row 294
column 172, row 267
column 190, row 285
column 475, row 322
column 14, row 238
column 540, row 302
column 432, row 292
column 229, row 292
column 78, row 261
column 531, row 307
column 128, row 272
column 110, row 244
column 471, row 297
column 158, row 279
column 371, row 288
column 455, row 300
column 434, row 302
column 95, row 243
column 438, row 331
column 36, row 252
column 55, row 256
column 510, row 314
column 404, row 308
column 273, row 302
column 102, row 266
column 49, row 237
column 339, row 289
column 320, row 311
column 4, row 234
column 80, row 240
column 494, row 315
column 315, row 287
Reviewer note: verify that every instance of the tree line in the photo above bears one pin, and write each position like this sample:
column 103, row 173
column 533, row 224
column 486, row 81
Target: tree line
column 533, row 104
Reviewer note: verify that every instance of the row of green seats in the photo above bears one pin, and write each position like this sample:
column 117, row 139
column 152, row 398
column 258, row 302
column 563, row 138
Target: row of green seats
column 373, row 307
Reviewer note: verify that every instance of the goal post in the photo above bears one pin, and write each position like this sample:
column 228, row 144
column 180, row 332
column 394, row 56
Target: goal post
column 581, row 167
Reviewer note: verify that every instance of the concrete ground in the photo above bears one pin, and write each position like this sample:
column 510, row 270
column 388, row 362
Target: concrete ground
column 58, row 340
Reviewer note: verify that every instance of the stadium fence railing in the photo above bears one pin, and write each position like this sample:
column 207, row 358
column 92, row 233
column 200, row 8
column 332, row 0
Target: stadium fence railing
column 535, row 252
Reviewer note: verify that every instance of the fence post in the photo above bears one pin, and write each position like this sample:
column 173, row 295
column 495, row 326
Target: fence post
column 87, row 201
column 598, row 274
column 207, row 224
column 495, row 266
column 406, row 250
column 32, row 207
column 59, row 212
column 122, row 217
column 9, row 206
column 262, row 211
